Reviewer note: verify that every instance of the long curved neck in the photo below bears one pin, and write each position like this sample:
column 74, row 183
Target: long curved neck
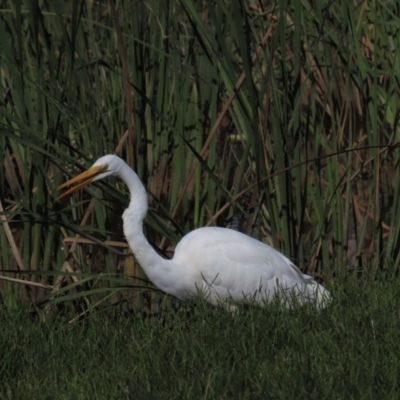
column 133, row 218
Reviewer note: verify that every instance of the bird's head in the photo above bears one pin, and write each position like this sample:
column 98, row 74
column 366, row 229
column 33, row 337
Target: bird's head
column 104, row 167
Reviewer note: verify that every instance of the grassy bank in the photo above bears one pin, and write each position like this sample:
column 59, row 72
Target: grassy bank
column 350, row 350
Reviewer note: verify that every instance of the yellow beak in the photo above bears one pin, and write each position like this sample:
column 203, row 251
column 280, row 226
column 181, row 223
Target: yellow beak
column 81, row 180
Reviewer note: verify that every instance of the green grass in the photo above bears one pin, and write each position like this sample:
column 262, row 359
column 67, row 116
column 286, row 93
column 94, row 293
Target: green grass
column 349, row 350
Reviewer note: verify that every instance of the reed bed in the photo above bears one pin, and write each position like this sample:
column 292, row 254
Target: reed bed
column 280, row 119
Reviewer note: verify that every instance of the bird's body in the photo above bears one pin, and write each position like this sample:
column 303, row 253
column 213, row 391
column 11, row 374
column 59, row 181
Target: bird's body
column 226, row 264
column 220, row 263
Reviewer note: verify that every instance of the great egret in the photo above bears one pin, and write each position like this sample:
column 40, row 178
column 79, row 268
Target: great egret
column 222, row 264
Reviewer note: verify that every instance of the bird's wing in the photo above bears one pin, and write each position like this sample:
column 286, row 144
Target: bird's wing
column 236, row 265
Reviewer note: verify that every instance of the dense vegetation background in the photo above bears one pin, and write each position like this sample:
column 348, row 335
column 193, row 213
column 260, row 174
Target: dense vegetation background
column 279, row 119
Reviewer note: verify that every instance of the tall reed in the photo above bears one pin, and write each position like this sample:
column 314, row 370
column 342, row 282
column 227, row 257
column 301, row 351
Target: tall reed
column 282, row 117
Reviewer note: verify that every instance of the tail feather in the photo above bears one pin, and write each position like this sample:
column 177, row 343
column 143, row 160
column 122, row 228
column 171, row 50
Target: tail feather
column 319, row 294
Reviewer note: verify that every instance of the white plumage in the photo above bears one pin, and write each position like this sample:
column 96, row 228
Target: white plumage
column 223, row 264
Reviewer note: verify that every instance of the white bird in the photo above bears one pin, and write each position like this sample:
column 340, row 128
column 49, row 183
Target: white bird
column 221, row 264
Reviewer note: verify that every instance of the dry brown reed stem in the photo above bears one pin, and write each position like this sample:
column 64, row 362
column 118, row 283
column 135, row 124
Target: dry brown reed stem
column 109, row 243
column 121, row 142
column 26, row 282
column 10, row 237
